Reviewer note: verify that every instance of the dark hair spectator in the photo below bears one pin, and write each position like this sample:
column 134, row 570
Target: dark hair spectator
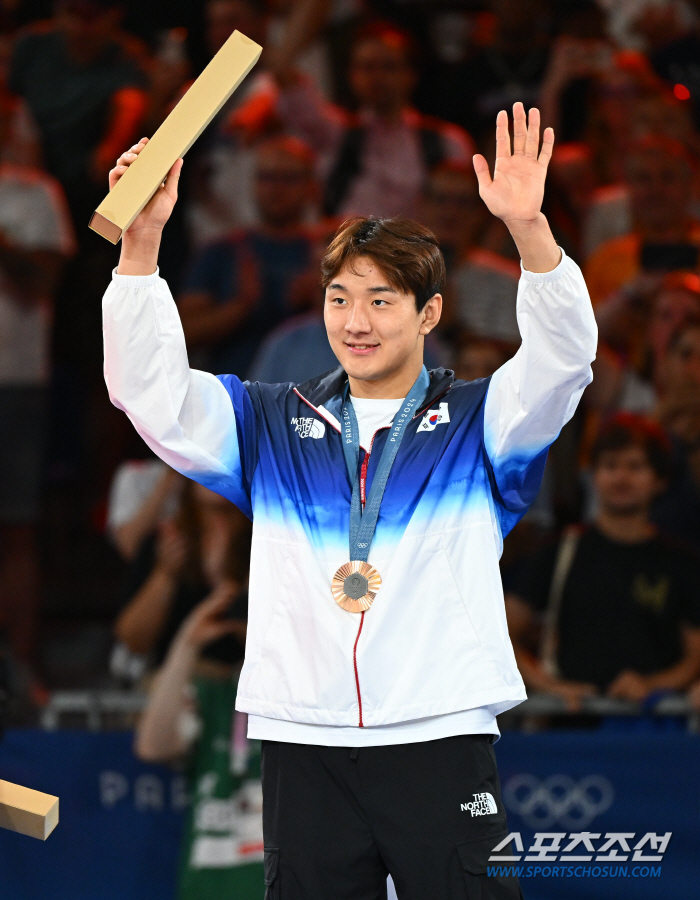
column 376, row 160
column 622, row 616
column 240, row 287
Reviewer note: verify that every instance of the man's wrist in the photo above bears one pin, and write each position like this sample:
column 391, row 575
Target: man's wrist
column 139, row 252
column 535, row 242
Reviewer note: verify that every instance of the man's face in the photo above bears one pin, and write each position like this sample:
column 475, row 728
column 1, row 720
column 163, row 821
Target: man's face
column 86, row 27
column 682, row 364
column 226, row 16
column 452, row 208
column 380, row 76
column 373, row 328
column 672, row 307
column 625, row 482
column 659, row 189
column 284, row 186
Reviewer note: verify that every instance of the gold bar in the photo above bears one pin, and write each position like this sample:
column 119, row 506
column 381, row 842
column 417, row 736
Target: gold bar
column 26, row 811
column 175, row 136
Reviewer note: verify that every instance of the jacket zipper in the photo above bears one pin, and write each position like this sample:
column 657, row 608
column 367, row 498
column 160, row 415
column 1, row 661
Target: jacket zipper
column 363, row 498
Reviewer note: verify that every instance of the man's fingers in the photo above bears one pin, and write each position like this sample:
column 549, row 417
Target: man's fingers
column 520, row 130
column 502, row 136
column 547, row 147
column 532, row 142
column 172, row 179
column 481, row 167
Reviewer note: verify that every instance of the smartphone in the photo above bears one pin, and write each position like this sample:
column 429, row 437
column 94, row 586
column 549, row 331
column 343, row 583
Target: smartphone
column 668, row 257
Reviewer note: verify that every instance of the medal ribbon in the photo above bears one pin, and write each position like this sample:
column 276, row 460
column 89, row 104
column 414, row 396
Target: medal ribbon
column 364, row 522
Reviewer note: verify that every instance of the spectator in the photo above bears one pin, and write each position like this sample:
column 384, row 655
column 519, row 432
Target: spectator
column 206, row 543
column 298, row 349
column 511, row 68
column 220, row 176
column 81, row 79
column 675, row 59
column 570, row 196
column 478, row 358
column 144, row 492
column 666, row 236
column 636, row 326
column 375, row 162
column 678, row 385
column 238, row 289
column 483, row 286
column 619, row 603
column 190, row 717
column 35, row 239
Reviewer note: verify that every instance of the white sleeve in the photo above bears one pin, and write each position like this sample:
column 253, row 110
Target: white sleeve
column 535, row 393
column 185, row 416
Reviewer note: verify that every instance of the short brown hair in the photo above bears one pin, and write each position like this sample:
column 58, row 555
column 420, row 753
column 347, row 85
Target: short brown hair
column 624, row 430
column 408, row 253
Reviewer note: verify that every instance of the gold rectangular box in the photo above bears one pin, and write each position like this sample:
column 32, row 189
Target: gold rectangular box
column 26, row 811
column 175, row 136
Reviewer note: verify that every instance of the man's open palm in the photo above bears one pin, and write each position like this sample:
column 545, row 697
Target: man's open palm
column 515, row 193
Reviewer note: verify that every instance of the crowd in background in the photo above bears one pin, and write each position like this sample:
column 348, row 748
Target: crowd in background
column 358, row 107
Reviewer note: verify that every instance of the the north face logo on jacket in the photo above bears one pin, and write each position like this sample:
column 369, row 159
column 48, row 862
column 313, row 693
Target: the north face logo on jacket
column 306, row 426
column 483, row 804
column 434, row 417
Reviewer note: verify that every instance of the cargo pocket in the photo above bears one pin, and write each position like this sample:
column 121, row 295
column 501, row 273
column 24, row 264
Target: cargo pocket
column 485, row 880
column 271, row 866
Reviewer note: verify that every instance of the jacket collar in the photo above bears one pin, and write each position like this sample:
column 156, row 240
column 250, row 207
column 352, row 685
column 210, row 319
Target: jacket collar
column 324, row 392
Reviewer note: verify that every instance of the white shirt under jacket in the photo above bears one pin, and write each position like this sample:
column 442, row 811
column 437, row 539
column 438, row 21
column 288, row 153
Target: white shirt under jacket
column 433, row 657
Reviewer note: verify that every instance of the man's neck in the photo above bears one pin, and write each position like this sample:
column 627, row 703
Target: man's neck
column 281, row 231
column 389, row 115
column 391, row 387
column 625, row 529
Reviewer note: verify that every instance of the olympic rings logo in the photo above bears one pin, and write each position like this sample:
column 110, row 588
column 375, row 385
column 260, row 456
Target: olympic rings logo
column 558, row 799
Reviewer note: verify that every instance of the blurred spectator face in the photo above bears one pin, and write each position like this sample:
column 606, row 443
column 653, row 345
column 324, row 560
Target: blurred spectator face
column 452, row 208
column 284, row 183
column 673, row 306
column 517, row 17
column 226, row 16
column 87, row 26
column 571, row 171
column 659, row 114
column 478, row 359
column 681, row 368
column 659, row 183
column 381, row 75
column 625, row 481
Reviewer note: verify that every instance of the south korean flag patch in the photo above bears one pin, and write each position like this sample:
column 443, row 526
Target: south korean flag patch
column 433, row 418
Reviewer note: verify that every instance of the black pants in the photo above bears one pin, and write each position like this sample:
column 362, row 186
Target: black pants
column 338, row 820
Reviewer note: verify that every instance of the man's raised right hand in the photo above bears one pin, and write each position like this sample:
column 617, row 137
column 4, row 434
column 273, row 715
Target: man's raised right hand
column 157, row 211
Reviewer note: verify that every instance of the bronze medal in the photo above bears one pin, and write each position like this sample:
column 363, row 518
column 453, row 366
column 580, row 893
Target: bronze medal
column 355, row 586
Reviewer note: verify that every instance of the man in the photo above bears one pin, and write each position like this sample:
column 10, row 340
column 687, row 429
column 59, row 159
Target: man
column 239, row 288
column 82, row 82
column 677, row 510
column 36, row 238
column 622, row 615
column 484, row 285
column 377, row 716
column 376, row 162
column 189, row 719
column 665, row 236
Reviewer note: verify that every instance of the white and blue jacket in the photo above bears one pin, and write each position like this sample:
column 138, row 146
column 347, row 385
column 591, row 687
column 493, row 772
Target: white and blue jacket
column 435, row 640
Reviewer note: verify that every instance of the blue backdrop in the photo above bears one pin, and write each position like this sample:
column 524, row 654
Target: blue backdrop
column 120, row 820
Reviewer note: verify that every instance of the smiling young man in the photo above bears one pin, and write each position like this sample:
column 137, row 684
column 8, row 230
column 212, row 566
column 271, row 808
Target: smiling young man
column 378, row 654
